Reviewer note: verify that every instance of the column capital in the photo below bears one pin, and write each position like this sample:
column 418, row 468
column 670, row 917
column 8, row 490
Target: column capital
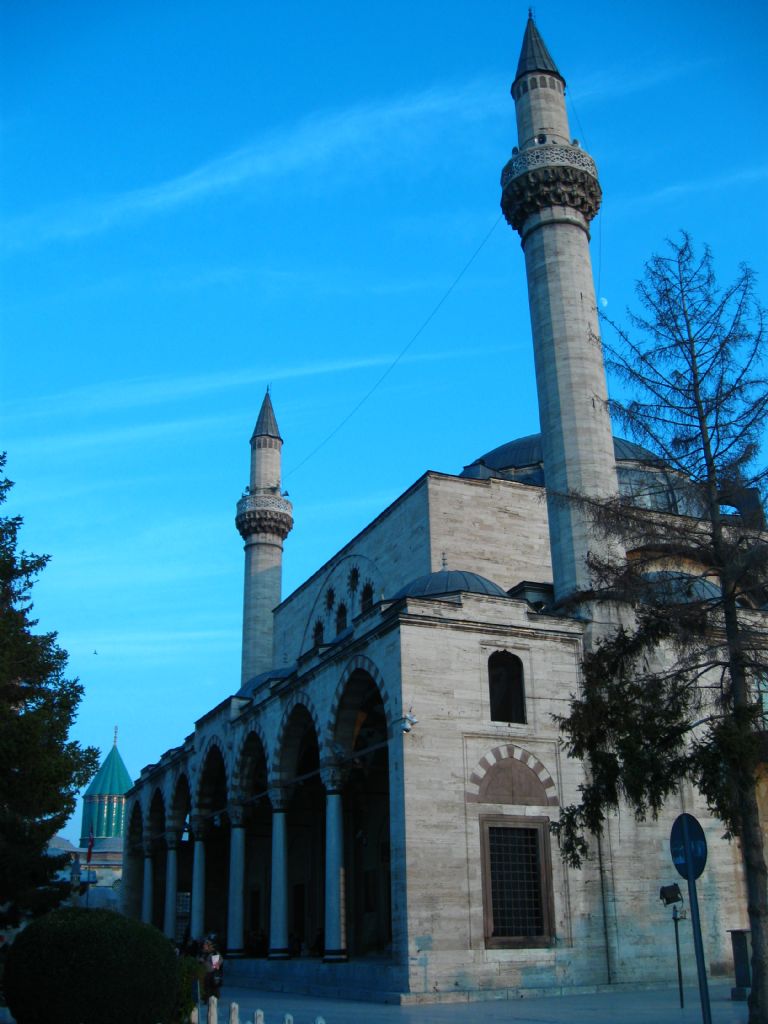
column 200, row 824
column 236, row 814
column 172, row 839
column 334, row 778
column 280, row 797
column 148, row 846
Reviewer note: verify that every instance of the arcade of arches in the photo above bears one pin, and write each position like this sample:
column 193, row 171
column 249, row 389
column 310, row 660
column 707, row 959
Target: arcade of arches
column 278, row 860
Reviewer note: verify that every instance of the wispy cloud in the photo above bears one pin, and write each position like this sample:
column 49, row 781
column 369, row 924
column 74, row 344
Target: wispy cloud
column 685, row 189
column 610, row 83
column 137, row 433
column 140, row 392
column 366, row 133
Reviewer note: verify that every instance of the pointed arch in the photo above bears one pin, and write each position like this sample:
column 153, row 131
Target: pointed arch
column 157, row 816
column 287, row 738
column 364, row 665
column 212, row 783
column 251, row 771
column 135, row 830
column 180, row 806
column 511, row 771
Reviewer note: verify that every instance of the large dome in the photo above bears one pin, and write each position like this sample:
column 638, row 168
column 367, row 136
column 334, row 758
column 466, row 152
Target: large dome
column 450, row 581
column 643, row 477
column 523, row 459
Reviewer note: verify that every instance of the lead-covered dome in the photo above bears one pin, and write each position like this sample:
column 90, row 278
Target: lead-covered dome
column 525, row 457
column 643, row 477
column 450, row 581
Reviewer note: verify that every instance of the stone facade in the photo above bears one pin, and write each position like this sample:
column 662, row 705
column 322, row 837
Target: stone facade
column 368, row 814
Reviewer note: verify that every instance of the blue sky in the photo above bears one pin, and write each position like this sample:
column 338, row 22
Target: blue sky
column 202, row 199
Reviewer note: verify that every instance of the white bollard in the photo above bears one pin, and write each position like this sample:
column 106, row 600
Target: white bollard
column 213, row 1010
column 234, row 1013
column 193, row 1016
column 258, row 1017
column 319, row 1020
column 288, row 1018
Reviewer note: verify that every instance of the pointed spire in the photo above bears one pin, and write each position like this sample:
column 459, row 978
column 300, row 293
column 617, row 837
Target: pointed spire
column 112, row 778
column 534, row 55
column 266, row 424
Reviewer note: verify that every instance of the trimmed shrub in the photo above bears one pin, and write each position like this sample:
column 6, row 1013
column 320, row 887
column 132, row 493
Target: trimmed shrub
column 79, row 966
column 191, row 973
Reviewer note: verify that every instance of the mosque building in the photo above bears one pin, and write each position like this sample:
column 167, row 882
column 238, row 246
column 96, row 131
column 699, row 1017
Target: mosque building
column 368, row 814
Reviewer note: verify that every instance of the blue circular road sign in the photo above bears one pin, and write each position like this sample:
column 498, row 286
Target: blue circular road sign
column 688, row 846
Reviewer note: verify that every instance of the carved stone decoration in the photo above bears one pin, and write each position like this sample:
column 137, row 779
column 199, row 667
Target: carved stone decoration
column 549, row 176
column 200, row 826
column 280, row 797
column 334, row 777
column 264, row 513
column 544, row 156
column 236, row 814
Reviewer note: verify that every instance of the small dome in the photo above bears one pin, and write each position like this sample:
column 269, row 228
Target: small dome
column 450, row 581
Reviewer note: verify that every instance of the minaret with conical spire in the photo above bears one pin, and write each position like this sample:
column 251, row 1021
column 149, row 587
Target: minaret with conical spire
column 264, row 519
column 550, row 194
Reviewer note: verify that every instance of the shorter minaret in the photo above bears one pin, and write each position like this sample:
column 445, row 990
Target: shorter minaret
column 264, row 519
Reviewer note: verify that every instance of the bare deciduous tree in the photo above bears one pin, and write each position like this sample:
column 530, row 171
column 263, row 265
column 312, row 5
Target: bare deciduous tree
column 678, row 692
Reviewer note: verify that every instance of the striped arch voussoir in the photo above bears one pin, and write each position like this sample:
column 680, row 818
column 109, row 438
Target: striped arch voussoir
column 362, row 664
column 297, row 700
column 212, row 742
column 254, row 729
column 506, row 752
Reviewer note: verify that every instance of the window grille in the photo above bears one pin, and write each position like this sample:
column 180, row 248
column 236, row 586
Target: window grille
column 517, row 882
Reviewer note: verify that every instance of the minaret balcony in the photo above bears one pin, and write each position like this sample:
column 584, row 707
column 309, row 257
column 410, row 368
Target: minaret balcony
column 264, row 513
column 549, row 175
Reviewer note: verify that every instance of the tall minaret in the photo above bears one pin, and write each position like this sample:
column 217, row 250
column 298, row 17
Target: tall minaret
column 264, row 519
column 550, row 193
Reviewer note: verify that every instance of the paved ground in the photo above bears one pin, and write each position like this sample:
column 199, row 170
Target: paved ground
column 658, row 1006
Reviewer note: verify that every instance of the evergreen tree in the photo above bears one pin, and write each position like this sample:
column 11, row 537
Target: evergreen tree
column 678, row 692
column 42, row 769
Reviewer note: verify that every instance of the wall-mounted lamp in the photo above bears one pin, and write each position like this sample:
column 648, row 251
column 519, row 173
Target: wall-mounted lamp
column 670, row 894
column 409, row 720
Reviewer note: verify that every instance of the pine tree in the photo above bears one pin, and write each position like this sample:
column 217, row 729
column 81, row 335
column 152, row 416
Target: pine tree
column 42, row 769
column 678, row 691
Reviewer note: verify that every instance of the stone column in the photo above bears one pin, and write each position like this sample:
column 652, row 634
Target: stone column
column 236, row 880
column 147, row 893
column 335, row 889
column 171, row 884
column 197, row 910
column 278, row 911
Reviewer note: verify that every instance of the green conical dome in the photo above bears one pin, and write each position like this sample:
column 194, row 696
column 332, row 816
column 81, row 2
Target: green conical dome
column 104, row 803
column 112, row 779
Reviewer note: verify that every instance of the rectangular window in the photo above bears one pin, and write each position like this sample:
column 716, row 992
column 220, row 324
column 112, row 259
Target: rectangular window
column 517, row 882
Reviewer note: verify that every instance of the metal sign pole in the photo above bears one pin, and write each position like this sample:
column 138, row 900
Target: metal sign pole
column 698, row 945
column 676, row 919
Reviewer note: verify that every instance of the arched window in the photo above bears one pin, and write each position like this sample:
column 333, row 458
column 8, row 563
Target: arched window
column 366, row 598
column 341, row 619
column 506, row 687
column 317, row 633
